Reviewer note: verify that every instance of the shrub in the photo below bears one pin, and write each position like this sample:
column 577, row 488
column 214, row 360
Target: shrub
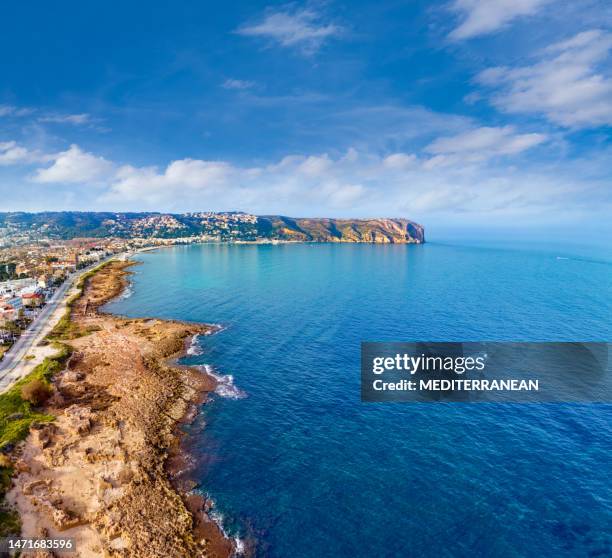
column 36, row 392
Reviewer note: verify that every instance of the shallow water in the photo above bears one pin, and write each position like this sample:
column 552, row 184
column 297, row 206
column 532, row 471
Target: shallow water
column 305, row 469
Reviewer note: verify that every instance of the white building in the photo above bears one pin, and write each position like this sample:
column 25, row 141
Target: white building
column 16, row 286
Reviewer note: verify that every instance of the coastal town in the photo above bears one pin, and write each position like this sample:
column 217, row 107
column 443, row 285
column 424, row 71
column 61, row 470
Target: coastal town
column 40, row 251
column 31, row 272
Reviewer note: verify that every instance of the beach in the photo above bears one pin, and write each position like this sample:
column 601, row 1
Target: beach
column 105, row 472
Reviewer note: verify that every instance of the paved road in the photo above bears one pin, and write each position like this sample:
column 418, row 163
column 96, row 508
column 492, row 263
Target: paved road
column 38, row 330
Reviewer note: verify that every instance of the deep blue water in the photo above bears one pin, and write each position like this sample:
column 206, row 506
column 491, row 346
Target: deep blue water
column 306, row 470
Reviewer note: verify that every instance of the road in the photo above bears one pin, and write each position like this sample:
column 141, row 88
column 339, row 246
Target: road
column 38, row 330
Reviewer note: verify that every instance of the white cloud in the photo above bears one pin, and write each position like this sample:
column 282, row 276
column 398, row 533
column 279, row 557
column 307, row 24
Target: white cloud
column 238, row 84
column 361, row 183
column 340, row 195
column 461, row 174
column 399, row 161
column 485, row 16
column 11, row 153
column 315, row 166
column 76, row 119
column 482, row 143
column 147, row 184
column 303, row 29
column 74, row 166
column 294, row 179
column 568, row 85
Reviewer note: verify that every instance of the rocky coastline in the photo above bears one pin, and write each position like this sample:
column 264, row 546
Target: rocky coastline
column 105, row 471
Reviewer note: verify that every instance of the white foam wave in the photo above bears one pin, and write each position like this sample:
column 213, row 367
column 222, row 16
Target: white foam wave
column 194, row 348
column 127, row 292
column 216, row 328
column 217, row 517
column 239, row 546
column 225, row 384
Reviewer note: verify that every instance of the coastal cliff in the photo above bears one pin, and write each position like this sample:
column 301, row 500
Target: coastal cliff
column 341, row 230
column 102, row 471
column 224, row 226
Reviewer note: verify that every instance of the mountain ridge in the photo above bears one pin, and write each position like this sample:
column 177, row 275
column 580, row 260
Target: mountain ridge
column 232, row 225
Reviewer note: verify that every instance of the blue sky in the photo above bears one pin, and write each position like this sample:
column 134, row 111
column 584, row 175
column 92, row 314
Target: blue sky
column 480, row 112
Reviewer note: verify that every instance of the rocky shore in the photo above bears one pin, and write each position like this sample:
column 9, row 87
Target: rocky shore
column 102, row 471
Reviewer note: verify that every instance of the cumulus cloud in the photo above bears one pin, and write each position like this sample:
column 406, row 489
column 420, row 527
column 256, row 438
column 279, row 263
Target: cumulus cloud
column 74, row 166
column 462, row 173
column 315, row 165
column 362, row 183
column 179, row 177
column 485, row 16
column 303, row 29
column 237, row 84
column 293, row 178
column 568, row 85
column 11, row 153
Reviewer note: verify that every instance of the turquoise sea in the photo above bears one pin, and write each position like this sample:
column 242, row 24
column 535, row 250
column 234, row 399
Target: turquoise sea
column 300, row 468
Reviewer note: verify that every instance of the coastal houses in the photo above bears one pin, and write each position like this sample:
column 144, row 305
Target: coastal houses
column 32, row 300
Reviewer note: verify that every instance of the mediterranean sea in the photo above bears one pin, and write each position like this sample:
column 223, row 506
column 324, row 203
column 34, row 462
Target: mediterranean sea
column 299, row 467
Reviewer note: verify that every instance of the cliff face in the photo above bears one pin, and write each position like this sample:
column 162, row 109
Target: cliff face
column 386, row 231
